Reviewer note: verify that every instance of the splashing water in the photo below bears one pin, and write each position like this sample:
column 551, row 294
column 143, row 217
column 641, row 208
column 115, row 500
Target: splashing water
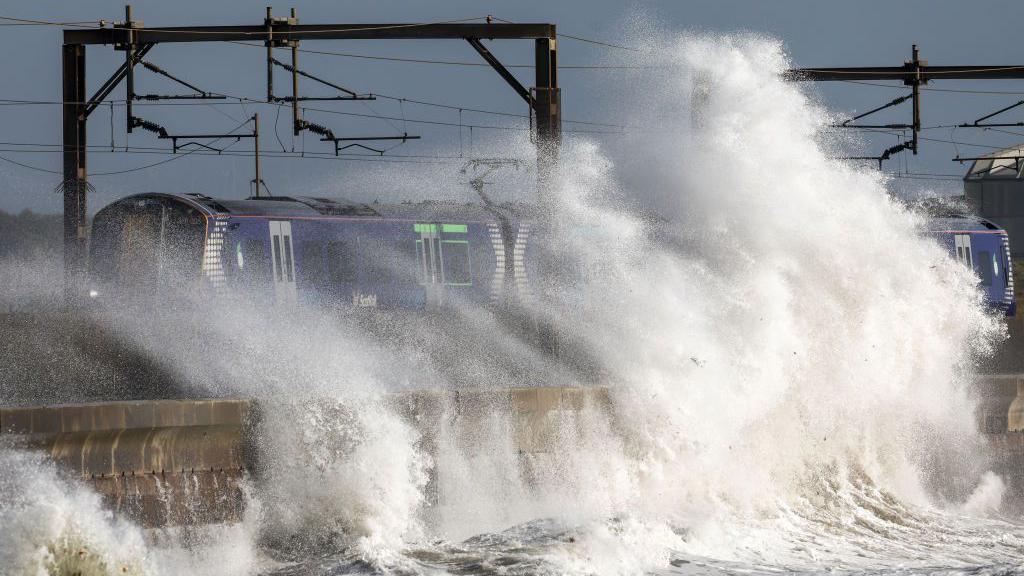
column 788, row 355
column 54, row 527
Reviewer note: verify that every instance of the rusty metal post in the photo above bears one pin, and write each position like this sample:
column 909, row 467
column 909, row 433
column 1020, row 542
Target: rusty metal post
column 75, row 186
column 129, row 60
column 915, row 83
column 296, row 127
column 546, row 106
column 548, row 135
column 270, row 54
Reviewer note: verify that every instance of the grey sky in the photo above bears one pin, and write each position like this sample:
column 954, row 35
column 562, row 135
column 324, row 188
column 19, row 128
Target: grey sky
column 815, row 33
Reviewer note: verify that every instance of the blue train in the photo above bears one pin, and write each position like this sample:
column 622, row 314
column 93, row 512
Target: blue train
column 414, row 256
column 316, row 250
column 983, row 247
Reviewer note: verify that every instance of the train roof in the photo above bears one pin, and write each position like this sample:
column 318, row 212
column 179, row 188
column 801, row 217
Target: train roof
column 1005, row 164
column 961, row 223
column 308, row 206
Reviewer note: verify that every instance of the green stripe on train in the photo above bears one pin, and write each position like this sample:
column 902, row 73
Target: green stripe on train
column 423, row 228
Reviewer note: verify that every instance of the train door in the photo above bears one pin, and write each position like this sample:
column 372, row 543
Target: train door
column 430, row 271
column 283, row 261
column 962, row 243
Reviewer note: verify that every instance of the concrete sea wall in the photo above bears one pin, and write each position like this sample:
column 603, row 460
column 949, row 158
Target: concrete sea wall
column 175, row 462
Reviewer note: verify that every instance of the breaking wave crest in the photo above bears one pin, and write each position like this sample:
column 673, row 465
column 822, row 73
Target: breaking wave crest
column 52, row 526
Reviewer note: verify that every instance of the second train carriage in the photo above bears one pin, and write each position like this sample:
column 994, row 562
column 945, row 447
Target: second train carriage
column 984, row 248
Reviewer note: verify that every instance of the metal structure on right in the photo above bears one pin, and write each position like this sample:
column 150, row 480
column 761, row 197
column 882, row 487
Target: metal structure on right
column 913, row 74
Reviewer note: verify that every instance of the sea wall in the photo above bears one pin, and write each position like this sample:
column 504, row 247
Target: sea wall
column 174, row 462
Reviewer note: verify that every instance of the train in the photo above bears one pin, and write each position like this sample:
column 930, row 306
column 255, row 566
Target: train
column 984, row 248
column 407, row 256
column 410, row 256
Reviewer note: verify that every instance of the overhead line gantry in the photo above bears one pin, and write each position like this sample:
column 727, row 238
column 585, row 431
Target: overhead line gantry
column 543, row 99
column 913, row 73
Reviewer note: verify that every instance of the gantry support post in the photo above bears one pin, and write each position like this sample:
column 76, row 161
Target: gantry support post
column 270, row 53
column 547, row 112
column 75, row 184
column 129, row 62
column 915, row 82
column 296, row 126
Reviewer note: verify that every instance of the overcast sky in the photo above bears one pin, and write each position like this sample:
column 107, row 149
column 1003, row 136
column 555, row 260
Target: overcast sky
column 815, row 33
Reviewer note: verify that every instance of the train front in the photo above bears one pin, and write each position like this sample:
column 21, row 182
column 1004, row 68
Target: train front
column 984, row 248
column 146, row 244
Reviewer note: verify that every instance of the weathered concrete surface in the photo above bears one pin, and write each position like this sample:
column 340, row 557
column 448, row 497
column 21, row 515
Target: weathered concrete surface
column 996, row 393
column 157, row 462
column 171, row 462
column 1000, row 417
column 176, row 498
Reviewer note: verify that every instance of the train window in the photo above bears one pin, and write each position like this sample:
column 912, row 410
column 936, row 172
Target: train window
column 383, row 262
column 288, row 267
column 277, row 257
column 341, row 262
column 482, row 259
column 420, row 263
column 370, row 260
column 311, row 264
column 253, row 260
column 985, row 267
column 427, row 266
column 455, row 254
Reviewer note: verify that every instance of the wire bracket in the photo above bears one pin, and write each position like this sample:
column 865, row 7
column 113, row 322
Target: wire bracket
column 978, row 123
column 199, row 94
column 161, row 132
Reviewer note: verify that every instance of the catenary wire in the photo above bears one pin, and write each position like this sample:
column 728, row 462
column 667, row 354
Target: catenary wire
column 927, row 89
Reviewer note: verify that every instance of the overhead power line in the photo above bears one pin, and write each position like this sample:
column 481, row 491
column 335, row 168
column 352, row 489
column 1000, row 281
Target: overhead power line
column 11, row 21
column 246, row 100
column 929, row 89
column 30, row 167
column 235, row 100
column 582, row 39
column 598, row 42
column 200, row 152
column 448, row 62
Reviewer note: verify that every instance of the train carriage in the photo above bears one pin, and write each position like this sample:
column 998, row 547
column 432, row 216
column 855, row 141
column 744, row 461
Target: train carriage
column 311, row 250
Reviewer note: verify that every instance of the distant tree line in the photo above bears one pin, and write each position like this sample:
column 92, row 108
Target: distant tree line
column 30, row 235
column 31, row 261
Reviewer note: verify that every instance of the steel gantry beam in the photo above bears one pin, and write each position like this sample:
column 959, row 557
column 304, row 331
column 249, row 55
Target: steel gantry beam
column 913, row 73
column 136, row 40
column 286, row 32
column 907, row 72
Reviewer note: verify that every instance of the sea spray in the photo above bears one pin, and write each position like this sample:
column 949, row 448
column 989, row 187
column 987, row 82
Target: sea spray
column 51, row 525
column 337, row 467
column 787, row 329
